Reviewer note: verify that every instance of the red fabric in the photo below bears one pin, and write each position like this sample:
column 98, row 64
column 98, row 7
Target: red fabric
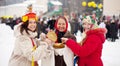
column 32, row 42
column 35, row 62
column 57, row 22
column 31, row 16
column 91, row 50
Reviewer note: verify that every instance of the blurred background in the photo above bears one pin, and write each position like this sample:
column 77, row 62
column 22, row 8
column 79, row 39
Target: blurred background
column 59, row 7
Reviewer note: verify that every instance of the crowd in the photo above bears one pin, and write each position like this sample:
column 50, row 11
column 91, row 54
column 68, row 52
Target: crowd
column 111, row 23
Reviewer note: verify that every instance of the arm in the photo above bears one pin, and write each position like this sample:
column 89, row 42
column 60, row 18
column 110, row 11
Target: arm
column 90, row 45
column 26, row 48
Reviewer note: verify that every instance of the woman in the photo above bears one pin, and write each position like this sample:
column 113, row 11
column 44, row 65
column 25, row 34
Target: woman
column 63, row 56
column 60, row 56
column 89, row 50
column 27, row 50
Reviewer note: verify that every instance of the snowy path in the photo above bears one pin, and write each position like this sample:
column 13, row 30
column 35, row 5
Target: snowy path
column 110, row 56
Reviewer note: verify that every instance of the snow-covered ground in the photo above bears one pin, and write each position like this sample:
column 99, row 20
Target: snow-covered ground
column 110, row 55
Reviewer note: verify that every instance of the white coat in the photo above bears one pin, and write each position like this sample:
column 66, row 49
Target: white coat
column 67, row 55
column 22, row 52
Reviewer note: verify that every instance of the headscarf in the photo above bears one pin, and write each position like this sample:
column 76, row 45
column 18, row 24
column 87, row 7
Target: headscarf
column 57, row 22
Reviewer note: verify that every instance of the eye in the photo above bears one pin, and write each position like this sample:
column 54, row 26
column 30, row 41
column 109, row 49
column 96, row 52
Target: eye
column 84, row 23
column 59, row 23
column 30, row 22
column 89, row 23
column 34, row 22
column 63, row 24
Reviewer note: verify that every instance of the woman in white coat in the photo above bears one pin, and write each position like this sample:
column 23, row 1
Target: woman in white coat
column 27, row 49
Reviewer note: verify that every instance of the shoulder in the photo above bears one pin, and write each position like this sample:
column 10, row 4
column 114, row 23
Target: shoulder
column 93, row 36
column 96, row 39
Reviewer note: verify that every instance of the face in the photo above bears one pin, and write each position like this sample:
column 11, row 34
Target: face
column 61, row 25
column 32, row 25
column 86, row 26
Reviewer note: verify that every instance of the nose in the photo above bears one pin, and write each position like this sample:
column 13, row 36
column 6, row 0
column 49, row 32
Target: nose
column 33, row 23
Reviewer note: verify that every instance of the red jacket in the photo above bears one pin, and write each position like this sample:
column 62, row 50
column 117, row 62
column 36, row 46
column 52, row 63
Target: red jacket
column 91, row 50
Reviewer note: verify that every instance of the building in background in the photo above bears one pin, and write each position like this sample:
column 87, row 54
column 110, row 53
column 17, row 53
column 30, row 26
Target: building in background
column 54, row 8
column 9, row 2
column 111, row 7
column 19, row 9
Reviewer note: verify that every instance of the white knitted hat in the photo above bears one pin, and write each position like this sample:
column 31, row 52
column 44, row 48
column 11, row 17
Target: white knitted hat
column 90, row 20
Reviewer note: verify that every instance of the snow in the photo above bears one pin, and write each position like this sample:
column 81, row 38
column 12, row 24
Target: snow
column 110, row 54
column 6, row 44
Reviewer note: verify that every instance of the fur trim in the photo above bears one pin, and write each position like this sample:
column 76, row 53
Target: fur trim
column 94, row 31
column 98, row 30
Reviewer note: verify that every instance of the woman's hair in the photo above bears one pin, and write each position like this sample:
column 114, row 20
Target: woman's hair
column 24, row 26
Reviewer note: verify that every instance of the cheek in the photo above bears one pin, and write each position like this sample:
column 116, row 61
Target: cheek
column 61, row 28
column 86, row 26
column 35, row 25
column 32, row 26
column 28, row 26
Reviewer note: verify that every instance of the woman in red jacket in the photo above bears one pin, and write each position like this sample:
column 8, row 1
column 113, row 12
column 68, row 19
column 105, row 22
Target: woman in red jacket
column 89, row 50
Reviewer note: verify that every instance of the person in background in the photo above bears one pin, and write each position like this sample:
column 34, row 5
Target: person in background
column 102, row 24
column 89, row 50
column 113, row 30
column 27, row 49
column 41, row 27
column 51, row 23
column 108, row 35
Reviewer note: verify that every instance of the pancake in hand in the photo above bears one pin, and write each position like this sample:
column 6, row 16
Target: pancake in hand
column 52, row 36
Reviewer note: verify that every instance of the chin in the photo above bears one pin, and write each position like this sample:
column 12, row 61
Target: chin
column 33, row 30
column 61, row 30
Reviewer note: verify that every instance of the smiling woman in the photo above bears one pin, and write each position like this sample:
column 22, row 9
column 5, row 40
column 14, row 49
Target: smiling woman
column 29, row 22
column 89, row 50
column 27, row 49
column 63, row 55
column 32, row 25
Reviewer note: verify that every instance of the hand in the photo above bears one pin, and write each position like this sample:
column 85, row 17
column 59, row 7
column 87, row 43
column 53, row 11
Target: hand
column 47, row 29
column 64, row 40
column 49, row 42
column 50, row 30
column 43, row 36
